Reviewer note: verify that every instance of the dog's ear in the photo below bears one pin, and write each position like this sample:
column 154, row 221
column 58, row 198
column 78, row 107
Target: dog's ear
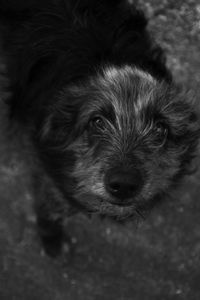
column 59, row 122
column 28, row 83
column 11, row 8
column 132, row 45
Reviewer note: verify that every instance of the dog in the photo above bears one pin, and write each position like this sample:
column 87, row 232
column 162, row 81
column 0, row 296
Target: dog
column 112, row 131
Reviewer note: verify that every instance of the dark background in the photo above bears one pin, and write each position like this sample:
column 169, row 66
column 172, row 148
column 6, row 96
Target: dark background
column 156, row 259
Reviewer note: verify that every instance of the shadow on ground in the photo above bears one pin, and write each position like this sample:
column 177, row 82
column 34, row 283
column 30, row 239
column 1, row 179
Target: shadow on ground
column 158, row 259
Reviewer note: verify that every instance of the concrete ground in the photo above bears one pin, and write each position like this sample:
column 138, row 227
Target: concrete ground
column 158, row 259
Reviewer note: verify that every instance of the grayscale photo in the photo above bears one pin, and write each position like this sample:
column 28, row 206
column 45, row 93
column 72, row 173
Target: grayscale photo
column 99, row 150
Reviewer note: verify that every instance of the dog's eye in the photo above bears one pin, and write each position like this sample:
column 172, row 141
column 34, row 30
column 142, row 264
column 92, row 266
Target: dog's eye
column 161, row 132
column 97, row 123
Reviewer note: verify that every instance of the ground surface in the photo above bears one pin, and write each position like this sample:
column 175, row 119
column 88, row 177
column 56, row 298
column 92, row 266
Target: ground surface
column 159, row 259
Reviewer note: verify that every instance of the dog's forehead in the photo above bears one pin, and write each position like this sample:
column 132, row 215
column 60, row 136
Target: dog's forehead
column 127, row 73
column 119, row 93
column 128, row 90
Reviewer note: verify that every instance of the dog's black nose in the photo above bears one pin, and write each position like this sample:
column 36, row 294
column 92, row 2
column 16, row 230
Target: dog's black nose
column 123, row 185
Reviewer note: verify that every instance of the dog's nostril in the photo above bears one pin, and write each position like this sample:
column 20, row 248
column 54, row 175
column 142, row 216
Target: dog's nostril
column 115, row 186
column 132, row 188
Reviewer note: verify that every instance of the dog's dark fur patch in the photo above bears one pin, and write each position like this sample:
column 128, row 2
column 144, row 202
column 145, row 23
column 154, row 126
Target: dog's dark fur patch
column 112, row 131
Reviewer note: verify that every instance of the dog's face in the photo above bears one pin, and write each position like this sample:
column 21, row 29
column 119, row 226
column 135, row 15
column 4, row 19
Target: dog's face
column 124, row 139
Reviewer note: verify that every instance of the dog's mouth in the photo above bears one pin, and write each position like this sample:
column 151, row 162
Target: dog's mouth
column 95, row 204
column 126, row 203
column 118, row 211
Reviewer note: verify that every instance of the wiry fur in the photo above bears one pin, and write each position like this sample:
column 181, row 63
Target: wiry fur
column 70, row 63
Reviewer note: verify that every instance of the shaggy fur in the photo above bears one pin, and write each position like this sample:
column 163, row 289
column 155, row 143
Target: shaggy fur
column 112, row 131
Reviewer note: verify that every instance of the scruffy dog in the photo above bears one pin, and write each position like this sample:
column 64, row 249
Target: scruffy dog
column 112, row 131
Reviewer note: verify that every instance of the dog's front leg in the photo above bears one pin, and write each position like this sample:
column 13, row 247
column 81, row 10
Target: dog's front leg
column 49, row 212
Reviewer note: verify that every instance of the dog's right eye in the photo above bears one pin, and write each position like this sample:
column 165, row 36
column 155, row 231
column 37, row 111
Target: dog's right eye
column 97, row 124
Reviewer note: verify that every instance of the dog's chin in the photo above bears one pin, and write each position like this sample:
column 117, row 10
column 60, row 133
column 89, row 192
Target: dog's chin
column 96, row 204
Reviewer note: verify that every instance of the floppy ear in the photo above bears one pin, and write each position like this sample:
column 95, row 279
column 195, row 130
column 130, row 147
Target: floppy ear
column 28, row 86
column 132, row 45
column 59, row 122
column 22, row 5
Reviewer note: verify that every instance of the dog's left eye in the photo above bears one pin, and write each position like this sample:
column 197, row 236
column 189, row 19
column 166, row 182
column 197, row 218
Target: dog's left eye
column 161, row 132
column 97, row 123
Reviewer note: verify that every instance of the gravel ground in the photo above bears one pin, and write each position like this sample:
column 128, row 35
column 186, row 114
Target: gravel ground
column 157, row 259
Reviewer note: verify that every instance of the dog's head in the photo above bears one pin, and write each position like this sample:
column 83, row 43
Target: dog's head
column 119, row 141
